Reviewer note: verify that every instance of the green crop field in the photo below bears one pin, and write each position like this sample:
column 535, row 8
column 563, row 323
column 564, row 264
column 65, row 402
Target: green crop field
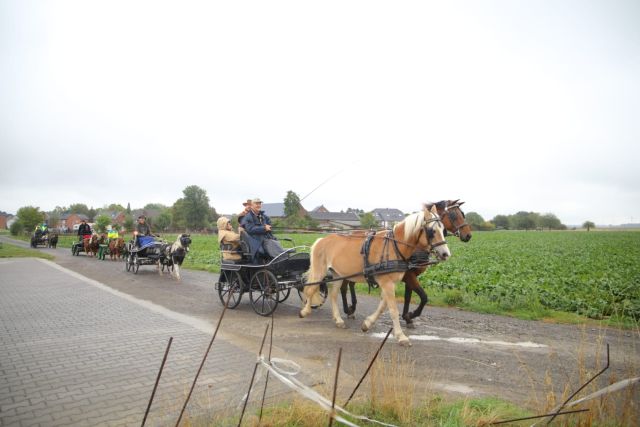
column 596, row 274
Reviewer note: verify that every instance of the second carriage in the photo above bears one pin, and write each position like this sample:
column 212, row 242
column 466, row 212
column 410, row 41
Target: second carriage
column 268, row 283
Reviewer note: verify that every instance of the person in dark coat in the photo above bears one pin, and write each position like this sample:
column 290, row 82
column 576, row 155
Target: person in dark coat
column 257, row 226
column 84, row 230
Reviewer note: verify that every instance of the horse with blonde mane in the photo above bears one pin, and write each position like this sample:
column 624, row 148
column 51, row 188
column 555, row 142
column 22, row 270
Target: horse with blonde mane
column 454, row 222
column 340, row 256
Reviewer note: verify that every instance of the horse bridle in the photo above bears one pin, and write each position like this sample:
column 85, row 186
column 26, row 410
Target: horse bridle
column 453, row 216
column 430, row 232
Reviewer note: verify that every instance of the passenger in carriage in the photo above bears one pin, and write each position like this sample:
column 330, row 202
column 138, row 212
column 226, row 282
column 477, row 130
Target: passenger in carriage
column 262, row 242
column 142, row 234
column 229, row 240
column 244, row 212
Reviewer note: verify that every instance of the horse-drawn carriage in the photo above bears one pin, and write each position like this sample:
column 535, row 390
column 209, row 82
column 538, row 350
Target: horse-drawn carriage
column 39, row 239
column 267, row 284
column 146, row 250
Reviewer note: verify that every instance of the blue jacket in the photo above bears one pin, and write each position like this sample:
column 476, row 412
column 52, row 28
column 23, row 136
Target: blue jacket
column 254, row 226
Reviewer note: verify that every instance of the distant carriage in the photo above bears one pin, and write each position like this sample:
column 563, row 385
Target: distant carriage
column 157, row 252
column 39, row 239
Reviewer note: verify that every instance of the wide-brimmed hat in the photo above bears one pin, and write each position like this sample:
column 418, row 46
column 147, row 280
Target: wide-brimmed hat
column 247, row 203
column 256, row 200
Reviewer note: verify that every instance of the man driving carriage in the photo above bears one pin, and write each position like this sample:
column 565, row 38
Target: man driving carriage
column 142, row 234
column 262, row 243
column 84, row 230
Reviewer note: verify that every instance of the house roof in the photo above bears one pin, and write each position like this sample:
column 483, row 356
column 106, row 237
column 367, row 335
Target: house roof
column 389, row 215
column 79, row 215
column 320, row 208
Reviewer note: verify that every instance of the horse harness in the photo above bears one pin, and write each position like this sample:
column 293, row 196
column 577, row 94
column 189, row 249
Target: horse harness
column 401, row 264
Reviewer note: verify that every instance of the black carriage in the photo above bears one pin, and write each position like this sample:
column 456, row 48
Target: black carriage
column 39, row 239
column 77, row 247
column 268, row 283
column 148, row 254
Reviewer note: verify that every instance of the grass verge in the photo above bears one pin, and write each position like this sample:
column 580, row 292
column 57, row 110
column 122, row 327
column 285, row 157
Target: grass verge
column 8, row 250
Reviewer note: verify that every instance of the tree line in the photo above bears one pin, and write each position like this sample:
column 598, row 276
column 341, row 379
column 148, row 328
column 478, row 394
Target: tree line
column 190, row 212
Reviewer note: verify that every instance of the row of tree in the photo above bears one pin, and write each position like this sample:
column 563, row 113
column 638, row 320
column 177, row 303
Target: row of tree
column 190, row 212
column 193, row 212
column 519, row 221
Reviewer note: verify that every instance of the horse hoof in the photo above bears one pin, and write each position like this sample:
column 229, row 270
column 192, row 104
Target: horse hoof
column 365, row 327
column 404, row 342
column 301, row 315
column 341, row 325
column 351, row 316
column 411, row 325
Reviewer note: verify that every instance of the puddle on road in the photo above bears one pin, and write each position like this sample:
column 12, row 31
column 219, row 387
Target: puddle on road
column 460, row 340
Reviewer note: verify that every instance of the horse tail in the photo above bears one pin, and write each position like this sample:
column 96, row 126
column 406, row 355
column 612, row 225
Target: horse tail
column 317, row 271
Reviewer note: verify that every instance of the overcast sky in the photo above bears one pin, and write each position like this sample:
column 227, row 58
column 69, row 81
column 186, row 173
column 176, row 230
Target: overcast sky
column 508, row 105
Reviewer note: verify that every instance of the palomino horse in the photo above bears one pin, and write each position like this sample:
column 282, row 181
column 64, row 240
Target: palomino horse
column 116, row 247
column 174, row 255
column 340, row 256
column 454, row 222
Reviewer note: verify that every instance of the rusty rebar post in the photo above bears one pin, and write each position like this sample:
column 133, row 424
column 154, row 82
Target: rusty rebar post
column 204, row 358
column 266, row 381
column 255, row 369
column 375, row 356
column 335, row 389
column 155, row 387
column 582, row 387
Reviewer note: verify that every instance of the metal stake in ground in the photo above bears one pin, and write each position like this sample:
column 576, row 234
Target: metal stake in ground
column 266, row 381
column 204, row 358
column 255, row 368
column 375, row 356
column 155, row 387
column 335, row 389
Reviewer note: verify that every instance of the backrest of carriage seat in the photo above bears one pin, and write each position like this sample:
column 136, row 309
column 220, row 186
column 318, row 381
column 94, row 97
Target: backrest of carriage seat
column 244, row 242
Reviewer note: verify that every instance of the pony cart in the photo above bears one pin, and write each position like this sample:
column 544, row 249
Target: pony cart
column 267, row 284
column 149, row 251
column 39, row 239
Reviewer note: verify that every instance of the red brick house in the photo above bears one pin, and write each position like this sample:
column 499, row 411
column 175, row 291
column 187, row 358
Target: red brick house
column 4, row 217
column 67, row 221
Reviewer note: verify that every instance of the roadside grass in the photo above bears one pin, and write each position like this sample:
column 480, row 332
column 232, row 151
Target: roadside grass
column 8, row 250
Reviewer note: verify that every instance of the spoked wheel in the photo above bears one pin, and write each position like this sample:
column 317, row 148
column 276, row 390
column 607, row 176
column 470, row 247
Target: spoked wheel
column 230, row 287
column 283, row 294
column 323, row 292
column 135, row 264
column 128, row 262
column 264, row 293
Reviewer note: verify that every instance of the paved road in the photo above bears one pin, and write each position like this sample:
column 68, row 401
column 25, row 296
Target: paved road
column 463, row 353
column 76, row 352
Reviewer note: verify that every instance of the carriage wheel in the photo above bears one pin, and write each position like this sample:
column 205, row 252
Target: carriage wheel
column 264, row 292
column 283, row 294
column 230, row 286
column 73, row 250
column 135, row 264
column 128, row 262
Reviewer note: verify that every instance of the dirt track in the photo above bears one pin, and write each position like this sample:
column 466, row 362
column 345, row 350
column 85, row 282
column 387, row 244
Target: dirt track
column 457, row 352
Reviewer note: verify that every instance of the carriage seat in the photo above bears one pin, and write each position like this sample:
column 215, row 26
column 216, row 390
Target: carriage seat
column 243, row 250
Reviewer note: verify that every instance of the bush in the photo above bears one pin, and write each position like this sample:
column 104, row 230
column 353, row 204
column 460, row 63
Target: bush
column 16, row 228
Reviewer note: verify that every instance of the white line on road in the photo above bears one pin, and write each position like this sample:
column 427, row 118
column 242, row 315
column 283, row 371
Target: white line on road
column 459, row 340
